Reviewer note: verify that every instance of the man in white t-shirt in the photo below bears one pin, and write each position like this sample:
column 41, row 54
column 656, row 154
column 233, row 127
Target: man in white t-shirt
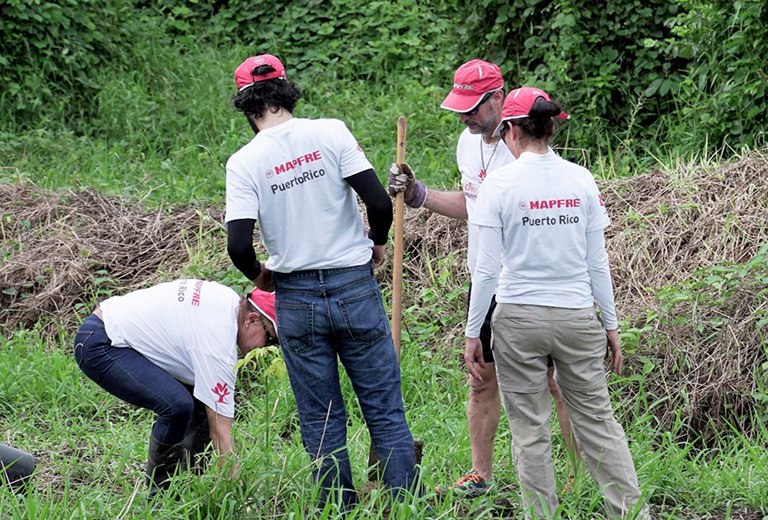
column 476, row 96
column 172, row 349
column 300, row 178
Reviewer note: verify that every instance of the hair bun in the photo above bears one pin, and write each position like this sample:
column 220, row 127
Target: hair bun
column 542, row 109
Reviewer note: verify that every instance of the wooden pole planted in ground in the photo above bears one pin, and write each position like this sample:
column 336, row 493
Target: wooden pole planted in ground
column 397, row 258
column 374, row 473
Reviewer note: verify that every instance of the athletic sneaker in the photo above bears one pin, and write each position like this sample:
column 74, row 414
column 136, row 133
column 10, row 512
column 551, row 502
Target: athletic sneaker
column 471, row 485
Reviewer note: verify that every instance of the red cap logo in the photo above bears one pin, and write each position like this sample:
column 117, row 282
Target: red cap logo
column 470, row 82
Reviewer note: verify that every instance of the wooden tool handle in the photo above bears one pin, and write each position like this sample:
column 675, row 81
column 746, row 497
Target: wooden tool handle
column 397, row 260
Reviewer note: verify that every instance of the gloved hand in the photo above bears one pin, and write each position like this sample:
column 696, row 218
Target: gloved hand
column 403, row 180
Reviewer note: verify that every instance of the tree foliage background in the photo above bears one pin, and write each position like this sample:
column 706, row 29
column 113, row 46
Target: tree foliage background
column 638, row 75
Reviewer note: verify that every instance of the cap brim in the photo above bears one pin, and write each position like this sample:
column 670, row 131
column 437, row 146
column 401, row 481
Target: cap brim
column 497, row 132
column 461, row 103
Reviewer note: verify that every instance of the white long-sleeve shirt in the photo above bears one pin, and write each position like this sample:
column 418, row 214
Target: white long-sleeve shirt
column 541, row 241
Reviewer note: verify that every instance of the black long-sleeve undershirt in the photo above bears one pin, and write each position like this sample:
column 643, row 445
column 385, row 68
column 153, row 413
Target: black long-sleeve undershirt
column 368, row 187
column 240, row 247
column 378, row 205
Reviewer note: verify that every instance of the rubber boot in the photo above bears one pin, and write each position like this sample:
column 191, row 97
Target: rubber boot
column 162, row 462
column 16, row 467
column 195, row 442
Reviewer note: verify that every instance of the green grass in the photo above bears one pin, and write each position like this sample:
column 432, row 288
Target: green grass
column 164, row 130
column 91, row 448
column 162, row 133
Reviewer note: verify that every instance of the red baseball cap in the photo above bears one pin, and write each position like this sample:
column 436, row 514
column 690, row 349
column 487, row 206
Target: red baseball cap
column 518, row 103
column 470, row 82
column 243, row 73
column 264, row 302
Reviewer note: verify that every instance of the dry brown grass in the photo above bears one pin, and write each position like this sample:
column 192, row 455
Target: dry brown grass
column 681, row 231
column 701, row 353
column 56, row 243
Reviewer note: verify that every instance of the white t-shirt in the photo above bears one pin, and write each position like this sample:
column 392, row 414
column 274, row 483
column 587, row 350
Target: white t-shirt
column 472, row 153
column 542, row 206
column 186, row 327
column 290, row 178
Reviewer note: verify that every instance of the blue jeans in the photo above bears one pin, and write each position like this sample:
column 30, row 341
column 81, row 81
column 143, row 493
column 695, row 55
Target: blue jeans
column 337, row 314
column 128, row 375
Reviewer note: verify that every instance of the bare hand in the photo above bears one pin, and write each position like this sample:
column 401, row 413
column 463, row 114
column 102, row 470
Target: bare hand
column 614, row 346
column 264, row 280
column 473, row 356
column 378, row 256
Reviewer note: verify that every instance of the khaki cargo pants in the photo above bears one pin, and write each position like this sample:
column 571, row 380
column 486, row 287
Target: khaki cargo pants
column 523, row 337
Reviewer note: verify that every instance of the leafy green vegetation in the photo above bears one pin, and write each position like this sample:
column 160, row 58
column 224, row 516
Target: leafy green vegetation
column 133, row 99
column 644, row 81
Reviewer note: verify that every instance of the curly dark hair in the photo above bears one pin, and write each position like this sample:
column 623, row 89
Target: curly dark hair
column 274, row 94
column 540, row 123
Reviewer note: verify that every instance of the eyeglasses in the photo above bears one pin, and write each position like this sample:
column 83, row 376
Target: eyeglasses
column 475, row 110
column 271, row 340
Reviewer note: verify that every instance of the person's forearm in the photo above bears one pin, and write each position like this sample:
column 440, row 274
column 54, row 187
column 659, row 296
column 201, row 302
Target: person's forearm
column 379, row 221
column 599, row 271
column 484, row 278
column 449, row 203
column 378, row 205
column 224, row 446
column 220, row 428
column 240, row 247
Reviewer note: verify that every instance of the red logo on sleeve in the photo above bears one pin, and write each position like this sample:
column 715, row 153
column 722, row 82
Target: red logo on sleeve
column 221, row 390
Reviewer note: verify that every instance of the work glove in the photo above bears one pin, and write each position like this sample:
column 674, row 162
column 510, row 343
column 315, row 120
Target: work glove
column 401, row 179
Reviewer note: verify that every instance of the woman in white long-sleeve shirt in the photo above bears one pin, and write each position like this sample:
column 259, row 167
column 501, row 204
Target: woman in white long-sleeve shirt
column 542, row 250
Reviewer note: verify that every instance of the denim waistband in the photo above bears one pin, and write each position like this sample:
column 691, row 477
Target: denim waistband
column 93, row 317
column 321, row 273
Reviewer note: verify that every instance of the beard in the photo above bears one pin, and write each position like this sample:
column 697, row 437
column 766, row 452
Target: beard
column 484, row 126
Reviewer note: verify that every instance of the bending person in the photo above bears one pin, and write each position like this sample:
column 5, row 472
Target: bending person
column 172, row 349
column 541, row 248
column 300, row 179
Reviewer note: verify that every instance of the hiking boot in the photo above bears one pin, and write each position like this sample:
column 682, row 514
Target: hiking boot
column 196, row 440
column 162, row 462
column 471, row 485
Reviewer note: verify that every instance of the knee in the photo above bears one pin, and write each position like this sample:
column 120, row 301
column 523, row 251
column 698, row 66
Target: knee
column 180, row 410
column 484, row 390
